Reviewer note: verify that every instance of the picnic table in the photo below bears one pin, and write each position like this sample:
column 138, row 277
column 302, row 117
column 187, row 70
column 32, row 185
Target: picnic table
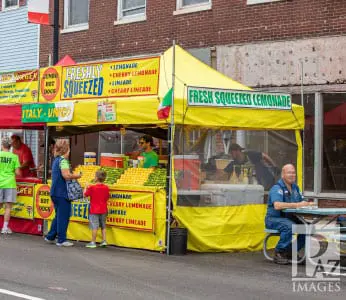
column 312, row 216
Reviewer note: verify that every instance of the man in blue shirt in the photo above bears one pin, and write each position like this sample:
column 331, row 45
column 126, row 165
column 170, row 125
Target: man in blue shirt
column 284, row 194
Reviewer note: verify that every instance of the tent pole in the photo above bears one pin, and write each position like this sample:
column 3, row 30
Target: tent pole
column 46, row 154
column 303, row 138
column 170, row 174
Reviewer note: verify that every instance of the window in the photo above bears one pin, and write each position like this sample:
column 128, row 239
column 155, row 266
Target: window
column 334, row 143
column 189, row 6
column 184, row 3
column 76, row 14
column 260, row 1
column 10, row 4
column 131, row 9
column 309, row 138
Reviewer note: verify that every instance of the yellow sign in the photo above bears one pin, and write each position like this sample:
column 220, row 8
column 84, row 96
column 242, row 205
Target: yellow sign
column 24, row 206
column 50, row 84
column 44, row 208
column 80, row 211
column 126, row 209
column 135, row 77
column 19, row 87
column 131, row 209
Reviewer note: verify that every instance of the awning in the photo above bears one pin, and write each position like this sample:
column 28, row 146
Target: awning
column 336, row 116
column 11, row 118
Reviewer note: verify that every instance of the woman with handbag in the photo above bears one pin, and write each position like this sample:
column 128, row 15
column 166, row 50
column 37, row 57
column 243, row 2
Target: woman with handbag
column 59, row 194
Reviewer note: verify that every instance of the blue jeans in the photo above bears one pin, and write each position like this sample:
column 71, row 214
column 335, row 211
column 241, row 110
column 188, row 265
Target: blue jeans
column 284, row 226
column 61, row 220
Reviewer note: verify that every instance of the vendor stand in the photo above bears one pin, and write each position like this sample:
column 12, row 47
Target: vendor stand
column 137, row 213
column 22, row 213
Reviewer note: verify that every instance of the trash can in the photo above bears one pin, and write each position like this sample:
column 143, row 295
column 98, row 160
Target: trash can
column 178, row 241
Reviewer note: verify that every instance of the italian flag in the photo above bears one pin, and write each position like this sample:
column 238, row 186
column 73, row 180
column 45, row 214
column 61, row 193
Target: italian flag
column 165, row 106
column 38, row 12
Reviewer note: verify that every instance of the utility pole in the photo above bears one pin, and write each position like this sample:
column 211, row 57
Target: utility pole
column 56, row 33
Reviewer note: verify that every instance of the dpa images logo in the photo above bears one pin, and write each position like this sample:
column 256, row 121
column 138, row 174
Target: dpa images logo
column 321, row 271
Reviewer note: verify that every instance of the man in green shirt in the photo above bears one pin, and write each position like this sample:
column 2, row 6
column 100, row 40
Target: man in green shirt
column 9, row 168
column 151, row 159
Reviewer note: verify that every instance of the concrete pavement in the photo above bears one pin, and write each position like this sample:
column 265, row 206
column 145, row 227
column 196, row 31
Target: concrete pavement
column 30, row 266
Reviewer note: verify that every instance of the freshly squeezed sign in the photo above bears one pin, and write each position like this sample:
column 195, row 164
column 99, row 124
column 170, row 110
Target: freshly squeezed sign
column 134, row 77
column 198, row 96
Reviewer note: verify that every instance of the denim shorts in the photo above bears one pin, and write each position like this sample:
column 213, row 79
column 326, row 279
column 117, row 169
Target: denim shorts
column 97, row 220
column 8, row 195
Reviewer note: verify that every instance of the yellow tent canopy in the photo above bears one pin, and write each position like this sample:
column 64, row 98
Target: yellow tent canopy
column 189, row 71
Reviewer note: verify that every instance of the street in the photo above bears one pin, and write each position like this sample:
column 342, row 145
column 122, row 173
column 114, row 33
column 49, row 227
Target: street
column 33, row 268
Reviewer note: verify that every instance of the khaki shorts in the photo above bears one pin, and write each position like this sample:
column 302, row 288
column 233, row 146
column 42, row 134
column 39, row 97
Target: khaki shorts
column 8, row 195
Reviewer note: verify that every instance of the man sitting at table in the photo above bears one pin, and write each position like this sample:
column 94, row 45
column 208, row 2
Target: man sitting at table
column 284, row 194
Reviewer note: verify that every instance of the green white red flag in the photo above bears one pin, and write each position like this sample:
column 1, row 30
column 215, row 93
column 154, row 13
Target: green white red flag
column 165, row 105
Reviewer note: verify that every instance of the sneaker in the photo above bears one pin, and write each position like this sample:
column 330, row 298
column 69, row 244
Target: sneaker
column 6, row 231
column 91, row 245
column 49, row 241
column 280, row 258
column 65, row 244
column 103, row 244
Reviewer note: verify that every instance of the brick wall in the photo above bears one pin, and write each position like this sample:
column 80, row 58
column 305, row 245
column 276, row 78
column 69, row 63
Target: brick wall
column 229, row 21
column 21, row 3
column 331, row 203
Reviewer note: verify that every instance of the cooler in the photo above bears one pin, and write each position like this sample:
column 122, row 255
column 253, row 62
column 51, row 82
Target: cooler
column 188, row 172
column 112, row 160
column 89, row 158
column 234, row 194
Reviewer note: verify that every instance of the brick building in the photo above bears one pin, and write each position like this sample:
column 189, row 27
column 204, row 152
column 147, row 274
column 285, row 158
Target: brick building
column 278, row 45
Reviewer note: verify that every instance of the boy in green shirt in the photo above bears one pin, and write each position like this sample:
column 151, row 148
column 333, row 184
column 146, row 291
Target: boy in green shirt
column 9, row 168
column 151, row 159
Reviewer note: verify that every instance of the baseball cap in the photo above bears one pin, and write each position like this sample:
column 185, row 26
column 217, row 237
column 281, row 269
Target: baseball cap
column 236, row 147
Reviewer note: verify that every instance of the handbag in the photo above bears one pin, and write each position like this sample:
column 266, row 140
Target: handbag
column 74, row 190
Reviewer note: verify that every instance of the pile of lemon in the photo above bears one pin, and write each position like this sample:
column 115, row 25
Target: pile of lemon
column 135, row 176
column 88, row 173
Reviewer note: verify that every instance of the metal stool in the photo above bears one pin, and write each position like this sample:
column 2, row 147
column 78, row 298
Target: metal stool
column 270, row 233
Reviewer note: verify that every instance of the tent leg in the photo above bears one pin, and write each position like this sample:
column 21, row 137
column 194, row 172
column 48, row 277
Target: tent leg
column 169, row 188
column 46, row 154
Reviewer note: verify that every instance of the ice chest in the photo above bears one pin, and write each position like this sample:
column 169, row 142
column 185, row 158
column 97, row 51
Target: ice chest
column 112, row 160
column 234, row 194
column 188, row 172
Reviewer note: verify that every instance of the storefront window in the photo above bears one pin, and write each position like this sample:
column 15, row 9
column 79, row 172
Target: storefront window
column 308, row 138
column 334, row 143
column 222, row 168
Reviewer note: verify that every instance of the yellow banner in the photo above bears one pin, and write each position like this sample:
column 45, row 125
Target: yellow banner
column 24, row 206
column 80, row 211
column 134, row 77
column 131, row 209
column 50, row 84
column 19, row 87
column 126, row 209
column 44, row 207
